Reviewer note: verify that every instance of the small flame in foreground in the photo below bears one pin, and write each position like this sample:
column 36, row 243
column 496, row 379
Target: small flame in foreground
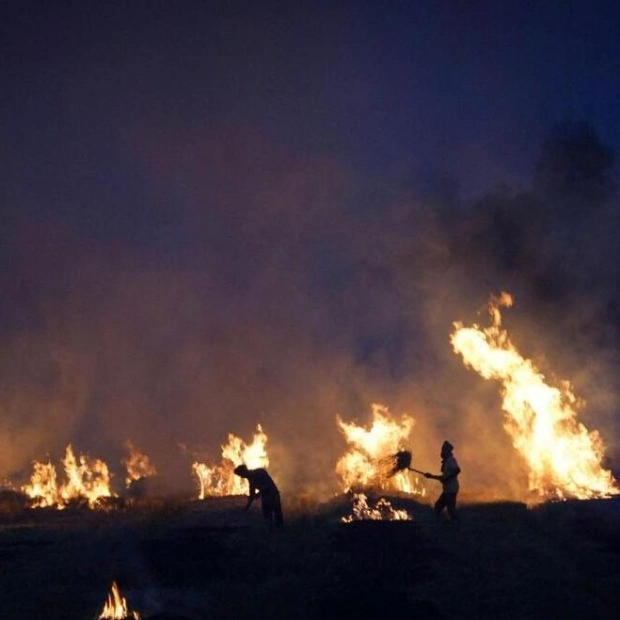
column 382, row 511
column 220, row 480
column 87, row 479
column 563, row 457
column 115, row 607
column 138, row 464
column 360, row 466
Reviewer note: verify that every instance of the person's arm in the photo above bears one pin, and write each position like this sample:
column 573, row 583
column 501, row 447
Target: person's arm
column 453, row 474
column 254, row 493
column 453, row 471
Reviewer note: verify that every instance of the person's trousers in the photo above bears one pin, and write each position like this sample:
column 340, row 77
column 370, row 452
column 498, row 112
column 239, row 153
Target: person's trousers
column 447, row 501
column 272, row 509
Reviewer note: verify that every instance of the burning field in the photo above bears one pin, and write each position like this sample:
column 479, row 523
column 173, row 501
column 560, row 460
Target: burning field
column 83, row 538
column 361, row 258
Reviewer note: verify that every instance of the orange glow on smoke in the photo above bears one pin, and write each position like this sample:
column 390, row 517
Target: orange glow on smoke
column 138, row 465
column 562, row 456
column 361, row 465
column 86, row 478
column 115, row 607
column 220, row 480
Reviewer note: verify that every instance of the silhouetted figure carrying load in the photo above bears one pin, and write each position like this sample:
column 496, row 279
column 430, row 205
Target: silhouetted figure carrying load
column 263, row 486
column 449, row 479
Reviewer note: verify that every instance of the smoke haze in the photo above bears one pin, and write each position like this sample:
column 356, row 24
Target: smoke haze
column 174, row 274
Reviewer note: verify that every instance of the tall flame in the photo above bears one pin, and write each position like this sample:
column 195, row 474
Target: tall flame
column 87, row 479
column 220, row 480
column 563, row 457
column 43, row 487
column 115, row 607
column 361, row 465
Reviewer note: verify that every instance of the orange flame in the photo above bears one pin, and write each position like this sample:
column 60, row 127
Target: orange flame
column 87, row 479
column 115, row 607
column 563, row 457
column 361, row 466
column 382, row 511
column 138, row 464
column 220, row 480
column 43, row 487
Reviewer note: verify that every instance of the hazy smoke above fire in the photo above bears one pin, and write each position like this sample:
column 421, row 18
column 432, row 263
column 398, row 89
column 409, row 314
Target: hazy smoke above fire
column 251, row 284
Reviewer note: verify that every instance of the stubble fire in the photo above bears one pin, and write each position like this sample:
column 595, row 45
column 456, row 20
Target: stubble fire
column 562, row 456
column 115, row 607
column 363, row 464
column 87, row 479
column 138, row 464
column 220, row 480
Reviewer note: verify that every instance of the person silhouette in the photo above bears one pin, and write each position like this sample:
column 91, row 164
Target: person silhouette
column 450, row 483
column 263, row 486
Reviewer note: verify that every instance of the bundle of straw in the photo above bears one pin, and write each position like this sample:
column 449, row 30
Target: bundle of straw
column 398, row 462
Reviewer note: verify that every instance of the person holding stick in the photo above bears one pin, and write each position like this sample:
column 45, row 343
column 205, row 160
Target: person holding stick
column 263, row 486
column 449, row 479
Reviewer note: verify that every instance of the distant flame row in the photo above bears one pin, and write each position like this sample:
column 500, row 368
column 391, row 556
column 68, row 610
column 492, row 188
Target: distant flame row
column 563, row 458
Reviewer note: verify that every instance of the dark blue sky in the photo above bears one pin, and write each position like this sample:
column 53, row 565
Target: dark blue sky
column 403, row 89
column 218, row 213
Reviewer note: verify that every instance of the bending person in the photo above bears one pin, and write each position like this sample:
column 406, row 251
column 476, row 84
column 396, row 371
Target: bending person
column 263, row 486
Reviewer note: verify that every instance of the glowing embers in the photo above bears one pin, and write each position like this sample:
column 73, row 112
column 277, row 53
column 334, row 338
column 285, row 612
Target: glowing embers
column 382, row 511
column 563, row 457
column 115, row 607
column 220, row 480
column 363, row 465
column 86, row 480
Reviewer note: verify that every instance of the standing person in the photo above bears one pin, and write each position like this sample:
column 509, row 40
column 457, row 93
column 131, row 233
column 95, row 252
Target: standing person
column 263, row 486
column 449, row 479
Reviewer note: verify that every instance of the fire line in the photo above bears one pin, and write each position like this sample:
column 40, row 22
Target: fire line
column 562, row 456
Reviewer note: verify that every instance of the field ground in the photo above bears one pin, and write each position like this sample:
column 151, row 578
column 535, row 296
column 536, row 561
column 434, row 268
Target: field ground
column 210, row 560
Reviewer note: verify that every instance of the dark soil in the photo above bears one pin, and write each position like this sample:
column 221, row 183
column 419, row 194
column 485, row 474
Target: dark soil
column 188, row 560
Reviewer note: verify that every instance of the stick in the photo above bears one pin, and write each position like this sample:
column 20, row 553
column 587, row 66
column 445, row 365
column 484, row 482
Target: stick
column 416, row 470
column 400, row 461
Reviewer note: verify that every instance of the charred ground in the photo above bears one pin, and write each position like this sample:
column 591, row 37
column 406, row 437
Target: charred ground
column 202, row 560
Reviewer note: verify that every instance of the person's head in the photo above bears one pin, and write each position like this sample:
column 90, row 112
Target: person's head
column 241, row 470
column 446, row 449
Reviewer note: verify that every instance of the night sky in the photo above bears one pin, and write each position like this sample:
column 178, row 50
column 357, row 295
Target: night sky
column 218, row 214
